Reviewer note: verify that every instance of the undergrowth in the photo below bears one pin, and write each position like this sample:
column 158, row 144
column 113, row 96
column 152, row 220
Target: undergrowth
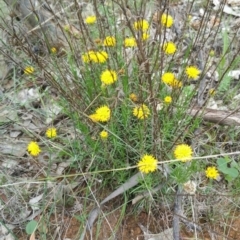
column 126, row 76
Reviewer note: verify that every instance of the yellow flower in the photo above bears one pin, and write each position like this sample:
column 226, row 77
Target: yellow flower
column 212, row 172
column 53, row 50
column 103, row 114
column 168, row 99
column 130, row 42
column 133, row 97
column 90, row 19
column 192, row 72
column 189, row 17
column 33, row 149
column 94, row 117
column 183, row 152
column 51, row 132
column 176, row 83
column 169, row 48
column 108, row 77
column 212, row 91
column 66, row 28
column 167, row 20
column 211, row 53
column 145, row 36
column 109, row 41
column 96, row 57
column 88, row 57
column 104, row 135
column 102, row 56
column 142, row 25
column 28, row 70
column 168, row 78
column 147, row 164
column 141, row 111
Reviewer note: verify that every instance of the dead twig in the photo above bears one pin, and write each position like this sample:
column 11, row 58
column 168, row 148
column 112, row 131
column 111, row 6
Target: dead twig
column 177, row 212
column 217, row 116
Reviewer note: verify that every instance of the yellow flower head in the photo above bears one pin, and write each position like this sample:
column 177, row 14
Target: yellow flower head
column 169, row 48
column 90, row 19
column 96, row 57
column 133, row 97
column 212, row 172
column 141, row 25
column 66, row 28
column 102, row 56
column 168, row 99
column 183, row 152
column 176, row 83
column 168, row 78
column 51, row 132
column 109, row 41
column 90, row 56
column 33, row 149
column 53, row 50
column 145, row 36
column 192, row 72
column 94, row 117
column 28, row 70
column 104, row 135
column 167, row 20
column 108, row 77
column 211, row 53
column 130, row 42
column 212, row 91
column 147, row 164
column 141, row 112
column 103, row 114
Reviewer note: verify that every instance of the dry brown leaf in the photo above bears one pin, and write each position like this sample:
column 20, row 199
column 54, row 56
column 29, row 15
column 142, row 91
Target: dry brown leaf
column 32, row 237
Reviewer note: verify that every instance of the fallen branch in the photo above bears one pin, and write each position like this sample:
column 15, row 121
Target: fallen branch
column 217, row 116
column 177, row 212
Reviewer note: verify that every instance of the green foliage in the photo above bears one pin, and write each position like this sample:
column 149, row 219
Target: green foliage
column 226, row 63
column 31, row 227
column 229, row 168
